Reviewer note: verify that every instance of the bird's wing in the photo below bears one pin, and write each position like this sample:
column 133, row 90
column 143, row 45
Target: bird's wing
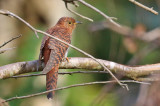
column 53, row 60
column 58, row 49
column 45, row 38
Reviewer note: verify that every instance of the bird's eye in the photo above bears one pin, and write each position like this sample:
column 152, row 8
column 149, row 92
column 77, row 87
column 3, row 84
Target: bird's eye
column 69, row 22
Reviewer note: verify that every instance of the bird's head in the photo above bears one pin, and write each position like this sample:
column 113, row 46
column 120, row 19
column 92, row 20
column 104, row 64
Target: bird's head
column 68, row 22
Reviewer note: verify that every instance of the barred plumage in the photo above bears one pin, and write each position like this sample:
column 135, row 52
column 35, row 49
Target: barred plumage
column 52, row 51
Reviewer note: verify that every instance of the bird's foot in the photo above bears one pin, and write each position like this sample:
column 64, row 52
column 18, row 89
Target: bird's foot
column 66, row 59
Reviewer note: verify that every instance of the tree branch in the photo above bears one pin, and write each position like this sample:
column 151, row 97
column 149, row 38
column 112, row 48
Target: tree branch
column 71, row 86
column 80, row 63
column 62, row 73
column 66, row 4
column 145, row 7
column 4, row 50
column 10, row 40
column 109, row 19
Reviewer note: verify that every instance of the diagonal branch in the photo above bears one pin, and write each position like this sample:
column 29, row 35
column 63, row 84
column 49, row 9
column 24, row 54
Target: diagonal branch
column 4, row 50
column 10, row 40
column 62, row 73
column 10, row 14
column 71, row 86
column 145, row 7
column 7, row 13
column 109, row 19
column 77, row 13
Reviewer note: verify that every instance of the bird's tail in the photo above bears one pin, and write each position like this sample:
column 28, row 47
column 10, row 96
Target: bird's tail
column 51, row 81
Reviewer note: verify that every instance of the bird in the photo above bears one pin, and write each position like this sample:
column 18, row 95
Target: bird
column 52, row 51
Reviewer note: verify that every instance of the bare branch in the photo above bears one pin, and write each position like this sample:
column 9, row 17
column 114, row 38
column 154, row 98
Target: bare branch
column 100, row 12
column 10, row 40
column 154, row 77
column 4, row 50
column 62, row 73
column 71, row 86
column 10, row 14
column 77, row 13
column 80, row 63
column 110, row 19
column 145, row 7
column 2, row 103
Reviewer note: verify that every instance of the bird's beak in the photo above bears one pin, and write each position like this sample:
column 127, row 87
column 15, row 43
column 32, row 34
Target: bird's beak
column 78, row 22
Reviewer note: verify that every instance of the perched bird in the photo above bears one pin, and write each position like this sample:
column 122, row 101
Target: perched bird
column 53, row 51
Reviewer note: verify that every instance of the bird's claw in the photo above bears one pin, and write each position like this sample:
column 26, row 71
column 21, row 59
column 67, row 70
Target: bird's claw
column 66, row 58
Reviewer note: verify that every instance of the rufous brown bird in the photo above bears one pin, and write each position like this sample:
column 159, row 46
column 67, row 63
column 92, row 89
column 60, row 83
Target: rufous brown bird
column 53, row 51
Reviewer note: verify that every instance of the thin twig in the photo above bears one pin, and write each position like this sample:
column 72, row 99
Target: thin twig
column 71, row 86
column 145, row 7
column 149, row 79
column 77, row 13
column 4, row 50
column 62, row 73
column 100, row 12
column 10, row 14
column 7, row 13
column 10, row 40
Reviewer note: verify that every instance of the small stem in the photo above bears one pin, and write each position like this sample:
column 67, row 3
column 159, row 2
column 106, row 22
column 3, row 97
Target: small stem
column 145, row 7
column 62, row 73
column 10, row 40
column 89, row 19
column 71, row 86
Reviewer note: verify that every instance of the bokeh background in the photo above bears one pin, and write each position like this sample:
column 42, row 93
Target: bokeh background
column 93, row 38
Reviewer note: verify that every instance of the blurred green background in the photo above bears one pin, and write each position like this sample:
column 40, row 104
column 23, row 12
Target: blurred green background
column 100, row 42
